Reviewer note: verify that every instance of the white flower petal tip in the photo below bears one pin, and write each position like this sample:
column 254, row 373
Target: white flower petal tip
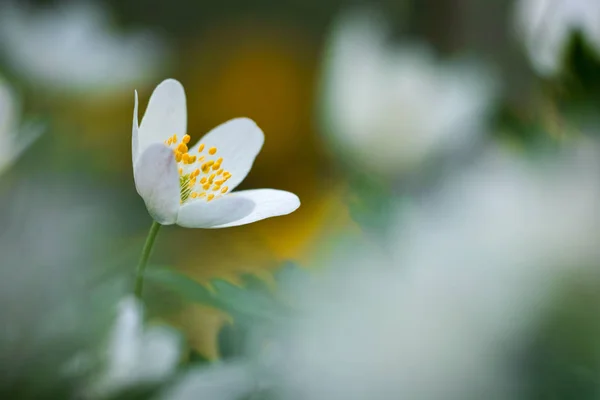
column 239, row 208
column 237, row 143
column 156, row 180
column 267, row 203
column 165, row 116
column 191, row 186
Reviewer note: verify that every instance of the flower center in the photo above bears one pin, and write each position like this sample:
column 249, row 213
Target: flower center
column 200, row 176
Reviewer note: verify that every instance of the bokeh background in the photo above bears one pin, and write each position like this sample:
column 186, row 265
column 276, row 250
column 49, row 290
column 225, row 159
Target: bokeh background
column 72, row 224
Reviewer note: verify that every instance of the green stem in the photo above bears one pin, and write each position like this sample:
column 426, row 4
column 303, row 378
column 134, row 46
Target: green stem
column 139, row 278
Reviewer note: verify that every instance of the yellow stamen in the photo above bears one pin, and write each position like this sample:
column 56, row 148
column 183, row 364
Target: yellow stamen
column 213, row 175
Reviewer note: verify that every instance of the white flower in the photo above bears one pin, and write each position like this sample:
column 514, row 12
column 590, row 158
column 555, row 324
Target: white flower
column 220, row 381
column 511, row 211
column 71, row 47
column 13, row 138
column 450, row 317
column 546, row 27
column 136, row 356
column 191, row 187
column 391, row 108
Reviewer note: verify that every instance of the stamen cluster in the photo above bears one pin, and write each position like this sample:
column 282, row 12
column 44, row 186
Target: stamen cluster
column 200, row 177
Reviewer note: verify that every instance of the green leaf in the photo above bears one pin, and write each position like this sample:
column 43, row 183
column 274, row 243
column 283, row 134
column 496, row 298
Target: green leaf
column 250, row 301
column 181, row 284
column 231, row 340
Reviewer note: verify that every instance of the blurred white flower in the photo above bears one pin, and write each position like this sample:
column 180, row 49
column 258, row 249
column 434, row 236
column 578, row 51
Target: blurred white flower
column 54, row 249
column 446, row 317
column 391, row 108
column 221, row 381
column 73, row 47
column 509, row 210
column 14, row 139
column 546, row 27
column 192, row 187
column 136, row 355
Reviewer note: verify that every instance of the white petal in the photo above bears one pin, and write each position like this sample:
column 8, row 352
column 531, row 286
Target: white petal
column 267, row 203
column 134, row 130
column 160, row 354
column 157, row 181
column 218, row 381
column 165, row 116
column 203, row 214
column 123, row 350
column 136, row 355
column 123, row 347
column 238, row 141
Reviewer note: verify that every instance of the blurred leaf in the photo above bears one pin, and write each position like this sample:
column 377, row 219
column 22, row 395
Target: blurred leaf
column 576, row 92
column 370, row 202
column 582, row 73
column 181, row 284
column 291, row 272
column 564, row 355
column 523, row 131
column 231, row 341
column 198, row 358
column 250, row 301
